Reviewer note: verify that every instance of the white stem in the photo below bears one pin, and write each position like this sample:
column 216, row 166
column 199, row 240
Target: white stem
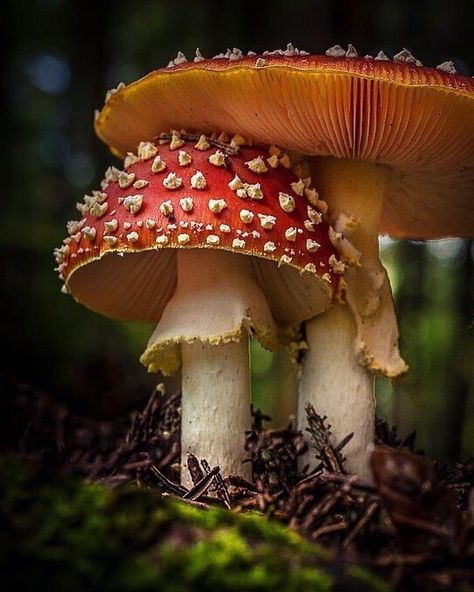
column 335, row 383
column 205, row 328
column 215, row 405
column 348, row 344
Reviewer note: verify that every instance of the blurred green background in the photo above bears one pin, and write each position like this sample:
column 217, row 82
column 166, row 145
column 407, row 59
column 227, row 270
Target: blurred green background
column 59, row 58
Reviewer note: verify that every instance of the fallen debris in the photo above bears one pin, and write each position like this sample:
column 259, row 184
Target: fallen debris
column 413, row 524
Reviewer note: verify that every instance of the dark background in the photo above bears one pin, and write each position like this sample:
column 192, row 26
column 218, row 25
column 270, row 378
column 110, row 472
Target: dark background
column 59, row 58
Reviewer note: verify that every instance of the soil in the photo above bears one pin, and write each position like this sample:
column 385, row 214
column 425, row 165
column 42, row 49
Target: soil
column 412, row 527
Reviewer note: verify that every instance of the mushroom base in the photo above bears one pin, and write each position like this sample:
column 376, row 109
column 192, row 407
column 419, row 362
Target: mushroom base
column 215, row 408
column 335, row 383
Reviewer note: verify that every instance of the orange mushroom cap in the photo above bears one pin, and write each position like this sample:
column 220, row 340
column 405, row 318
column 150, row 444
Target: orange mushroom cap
column 119, row 258
column 417, row 121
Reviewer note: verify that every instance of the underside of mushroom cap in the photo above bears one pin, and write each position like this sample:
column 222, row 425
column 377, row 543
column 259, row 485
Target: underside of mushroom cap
column 417, row 121
column 194, row 192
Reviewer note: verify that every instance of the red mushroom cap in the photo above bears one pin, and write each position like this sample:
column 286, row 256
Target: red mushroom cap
column 195, row 193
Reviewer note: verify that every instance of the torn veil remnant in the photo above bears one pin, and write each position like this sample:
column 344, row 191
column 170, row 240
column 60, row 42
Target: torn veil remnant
column 204, row 252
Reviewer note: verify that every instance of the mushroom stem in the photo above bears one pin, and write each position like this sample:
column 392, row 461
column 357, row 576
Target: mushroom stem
column 215, row 408
column 337, row 386
column 204, row 328
column 350, row 344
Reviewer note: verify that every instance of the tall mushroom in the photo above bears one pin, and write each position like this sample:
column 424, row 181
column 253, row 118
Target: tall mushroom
column 213, row 241
column 395, row 148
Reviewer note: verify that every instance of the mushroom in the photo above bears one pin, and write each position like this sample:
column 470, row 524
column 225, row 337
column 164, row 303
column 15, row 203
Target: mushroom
column 394, row 142
column 211, row 240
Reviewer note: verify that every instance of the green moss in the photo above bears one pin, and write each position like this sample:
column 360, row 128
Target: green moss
column 73, row 536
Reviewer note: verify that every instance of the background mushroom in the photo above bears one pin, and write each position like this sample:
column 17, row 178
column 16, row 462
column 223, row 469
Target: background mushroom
column 398, row 145
column 168, row 239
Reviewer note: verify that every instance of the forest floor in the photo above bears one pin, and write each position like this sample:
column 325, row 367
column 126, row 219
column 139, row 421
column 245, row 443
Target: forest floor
column 412, row 526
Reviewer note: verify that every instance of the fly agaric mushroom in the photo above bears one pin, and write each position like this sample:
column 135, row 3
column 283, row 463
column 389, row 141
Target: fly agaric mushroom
column 212, row 240
column 395, row 148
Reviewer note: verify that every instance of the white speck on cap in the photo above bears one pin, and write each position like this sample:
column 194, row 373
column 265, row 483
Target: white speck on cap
column 158, row 165
column 98, row 210
column 198, row 181
column 146, row 150
column 166, row 208
column 74, row 226
column 335, row 51
column 236, row 183
column 130, row 159
column 337, row 266
column 111, row 225
column 213, row 239
column 217, row 205
column 298, row 187
column 380, row 56
column 312, row 245
column 133, row 203
column 287, row 202
column 89, row 233
column 99, row 196
column 257, row 165
column 447, row 67
column 112, row 91
column 246, row 216
column 313, row 215
column 267, row 221
column 198, row 57
column 238, row 243
column 183, row 239
column 186, row 204
column 110, row 240
column 125, row 179
column 202, row 143
column 184, row 158
column 311, row 195
column 132, row 237
column 273, row 161
column 310, row 268
column 176, row 141
column 351, row 51
column 112, row 174
column 284, row 259
column 218, row 158
column 269, row 247
column 172, row 181
column 254, row 191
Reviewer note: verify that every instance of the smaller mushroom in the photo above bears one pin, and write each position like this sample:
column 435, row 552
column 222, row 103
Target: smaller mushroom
column 210, row 268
